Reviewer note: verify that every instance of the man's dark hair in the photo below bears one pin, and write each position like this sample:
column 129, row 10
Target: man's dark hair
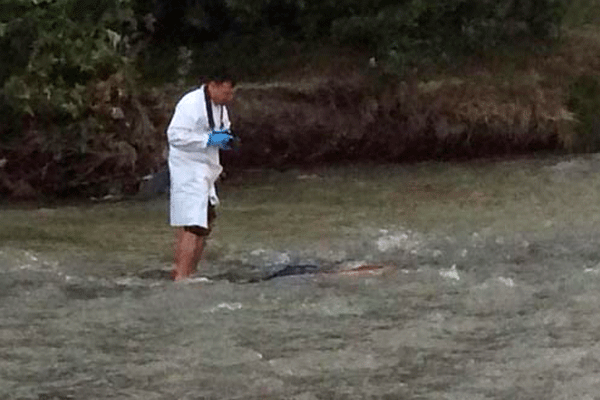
column 220, row 75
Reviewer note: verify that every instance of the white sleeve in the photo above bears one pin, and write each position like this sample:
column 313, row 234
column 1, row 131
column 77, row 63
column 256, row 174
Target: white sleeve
column 226, row 121
column 187, row 139
column 188, row 130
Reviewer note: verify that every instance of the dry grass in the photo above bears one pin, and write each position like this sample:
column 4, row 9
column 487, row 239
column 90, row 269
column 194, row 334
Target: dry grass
column 526, row 90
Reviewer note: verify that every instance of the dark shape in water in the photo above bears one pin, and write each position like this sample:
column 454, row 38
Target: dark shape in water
column 293, row 270
column 238, row 276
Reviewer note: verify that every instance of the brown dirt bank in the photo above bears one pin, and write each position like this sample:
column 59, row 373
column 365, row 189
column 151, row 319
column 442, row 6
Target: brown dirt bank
column 336, row 120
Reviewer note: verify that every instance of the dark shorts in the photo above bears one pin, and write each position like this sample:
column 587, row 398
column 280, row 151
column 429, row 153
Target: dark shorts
column 200, row 230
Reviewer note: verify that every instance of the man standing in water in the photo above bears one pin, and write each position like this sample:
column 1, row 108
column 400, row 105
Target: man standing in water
column 198, row 130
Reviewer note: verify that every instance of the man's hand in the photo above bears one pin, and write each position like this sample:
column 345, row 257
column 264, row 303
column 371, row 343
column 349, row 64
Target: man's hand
column 220, row 139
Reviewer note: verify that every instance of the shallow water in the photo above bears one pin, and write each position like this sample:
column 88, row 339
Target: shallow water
column 466, row 310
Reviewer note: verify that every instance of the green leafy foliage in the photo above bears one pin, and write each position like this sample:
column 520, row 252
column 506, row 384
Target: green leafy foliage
column 60, row 127
column 421, row 28
column 54, row 48
column 583, row 12
column 399, row 33
column 59, row 47
column 584, row 101
column 72, row 72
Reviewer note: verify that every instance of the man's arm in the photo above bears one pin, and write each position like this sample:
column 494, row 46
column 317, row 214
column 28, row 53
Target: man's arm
column 187, row 139
column 185, row 132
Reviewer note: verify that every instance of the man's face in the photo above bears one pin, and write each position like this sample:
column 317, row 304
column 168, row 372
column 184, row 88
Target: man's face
column 220, row 92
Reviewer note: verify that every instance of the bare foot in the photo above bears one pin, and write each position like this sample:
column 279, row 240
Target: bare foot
column 191, row 279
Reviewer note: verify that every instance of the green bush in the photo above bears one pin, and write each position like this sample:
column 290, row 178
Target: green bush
column 434, row 27
column 584, row 101
column 399, row 30
column 583, row 12
column 55, row 132
column 58, row 47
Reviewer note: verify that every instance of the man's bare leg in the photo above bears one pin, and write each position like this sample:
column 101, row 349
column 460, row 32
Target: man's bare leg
column 187, row 253
column 200, row 240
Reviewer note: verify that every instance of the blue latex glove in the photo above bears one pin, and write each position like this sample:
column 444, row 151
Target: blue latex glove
column 220, row 139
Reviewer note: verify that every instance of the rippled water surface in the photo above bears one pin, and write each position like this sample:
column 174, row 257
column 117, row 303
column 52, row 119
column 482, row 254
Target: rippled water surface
column 483, row 285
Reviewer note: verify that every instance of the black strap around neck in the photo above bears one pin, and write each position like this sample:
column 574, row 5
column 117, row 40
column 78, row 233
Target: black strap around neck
column 209, row 111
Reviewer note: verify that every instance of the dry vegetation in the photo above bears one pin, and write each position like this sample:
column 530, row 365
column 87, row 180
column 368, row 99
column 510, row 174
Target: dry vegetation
column 120, row 140
column 496, row 105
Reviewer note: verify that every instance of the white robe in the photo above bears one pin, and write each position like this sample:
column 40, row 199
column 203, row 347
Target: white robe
column 194, row 167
